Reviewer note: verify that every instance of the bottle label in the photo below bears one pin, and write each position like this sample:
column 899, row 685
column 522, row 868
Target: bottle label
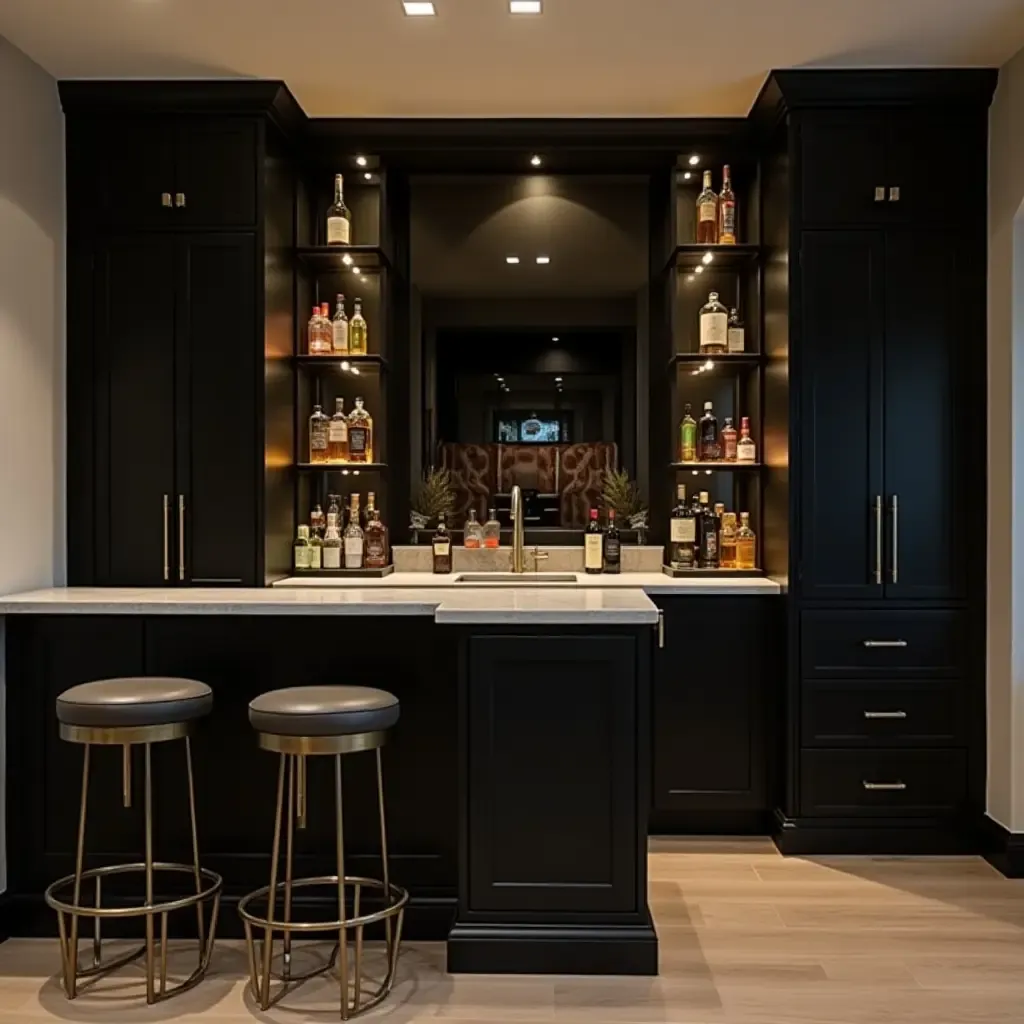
column 728, row 214
column 337, row 231
column 612, row 550
column 337, row 432
column 593, row 550
column 339, row 337
column 332, row 557
column 314, row 556
column 442, row 548
column 707, row 210
column 714, row 329
column 689, row 443
column 303, row 557
column 353, row 552
column 684, row 531
column 318, row 440
column 736, row 340
column 356, row 442
column 746, row 453
column 375, row 554
column 730, row 447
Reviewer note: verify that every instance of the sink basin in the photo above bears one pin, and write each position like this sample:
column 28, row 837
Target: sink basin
column 520, row 579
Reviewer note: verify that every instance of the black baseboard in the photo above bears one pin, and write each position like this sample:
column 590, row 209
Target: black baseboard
column 709, row 823
column 867, row 836
column 1003, row 849
column 553, row 949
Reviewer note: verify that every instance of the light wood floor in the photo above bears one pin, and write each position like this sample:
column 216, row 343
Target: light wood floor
column 747, row 937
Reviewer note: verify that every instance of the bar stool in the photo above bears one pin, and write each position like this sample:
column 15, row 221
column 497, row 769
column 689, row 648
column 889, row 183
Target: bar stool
column 314, row 721
column 128, row 712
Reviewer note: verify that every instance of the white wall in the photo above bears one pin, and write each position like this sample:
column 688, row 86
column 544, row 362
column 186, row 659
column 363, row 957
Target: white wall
column 1006, row 451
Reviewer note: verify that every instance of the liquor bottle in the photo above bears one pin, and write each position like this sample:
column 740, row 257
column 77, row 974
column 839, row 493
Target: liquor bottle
column 357, row 331
column 353, row 538
column 710, row 526
column 318, row 434
column 612, row 546
column 593, row 545
column 492, row 530
column 334, row 508
column 729, row 440
column 375, row 538
column 339, row 329
column 726, row 210
column 337, row 433
column 302, row 549
column 735, row 335
column 360, row 434
column 714, row 326
column 746, row 450
column 727, row 542
column 316, row 550
column 339, row 220
column 317, row 521
column 746, row 544
column 315, row 335
column 707, row 213
column 472, row 532
column 687, row 436
column 332, row 543
column 682, row 533
column 441, row 547
column 710, row 446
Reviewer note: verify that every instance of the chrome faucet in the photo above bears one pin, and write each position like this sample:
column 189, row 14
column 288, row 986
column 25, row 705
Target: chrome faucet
column 518, row 519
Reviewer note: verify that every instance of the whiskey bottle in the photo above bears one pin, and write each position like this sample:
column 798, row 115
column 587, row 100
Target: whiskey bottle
column 727, row 542
column 360, row 434
column 710, row 446
column 710, row 526
column 687, row 436
column 337, row 433
column 727, row 211
column 746, row 450
column 735, row 340
column 317, row 521
column 492, row 530
column 353, row 539
column 682, row 533
column 357, row 339
column 746, row 544
column 302, row 549
column 339, row 220
column 441, row 547
column 714, row 326
column 318, row 434
column 316, row 550
column 707, row 213
column 375, row 540
column 472, row 531
column 334, row 508
column 332, row 543
column 729, row 440
column 339, row 329
column 593, row 545
column 612, row 546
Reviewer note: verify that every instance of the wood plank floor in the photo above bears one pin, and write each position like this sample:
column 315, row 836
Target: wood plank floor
column 747, row 937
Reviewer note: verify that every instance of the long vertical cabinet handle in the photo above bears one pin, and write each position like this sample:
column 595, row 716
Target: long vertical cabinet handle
column 661, row 629
column 167, row 537
column 895, row 538
column 878, row 539
column 181, row 536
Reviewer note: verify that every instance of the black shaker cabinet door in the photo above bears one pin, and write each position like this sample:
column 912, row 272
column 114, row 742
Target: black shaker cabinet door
column 134, row 431
column 217, row 167
column 842, row 310
column 927, row 337
column 217, row 355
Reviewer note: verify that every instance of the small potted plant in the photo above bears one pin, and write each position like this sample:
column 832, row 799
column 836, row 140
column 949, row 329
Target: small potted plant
column 433, row 498
column 623, row 495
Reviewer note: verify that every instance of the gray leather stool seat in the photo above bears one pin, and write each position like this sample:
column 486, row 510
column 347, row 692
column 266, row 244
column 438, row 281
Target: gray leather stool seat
column 323, row 711
column 134, row 701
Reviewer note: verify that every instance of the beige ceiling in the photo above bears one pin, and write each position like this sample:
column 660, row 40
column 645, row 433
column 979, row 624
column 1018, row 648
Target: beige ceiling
column 625, row 58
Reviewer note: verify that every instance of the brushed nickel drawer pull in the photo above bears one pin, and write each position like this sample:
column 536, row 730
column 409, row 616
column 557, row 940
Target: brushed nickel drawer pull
column 879, row 193
column 884, row 643
column 895, row 538
column 885, row 785
column 885, row 714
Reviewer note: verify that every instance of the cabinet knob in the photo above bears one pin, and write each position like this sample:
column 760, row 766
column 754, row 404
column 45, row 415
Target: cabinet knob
column 894, row 194
column 179, row 199
column 879, row 193
column 165, row 198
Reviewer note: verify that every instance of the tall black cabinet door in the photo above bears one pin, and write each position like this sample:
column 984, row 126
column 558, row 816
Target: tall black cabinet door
column 134, row 426
column 842, row 278
column 217, row 168
column 220, row 439
column 928, row 336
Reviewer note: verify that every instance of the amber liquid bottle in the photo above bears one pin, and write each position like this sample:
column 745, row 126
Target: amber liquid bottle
column 727, row 211
column 707, row 213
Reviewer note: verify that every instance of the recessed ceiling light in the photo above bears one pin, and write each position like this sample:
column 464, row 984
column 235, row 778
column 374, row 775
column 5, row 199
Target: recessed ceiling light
column 694, row 160
column 536, row 160
column 698, row 270
column 355, row 370
column 543, row 259
column 346, row 365
column 708, row 257
column 524, row 6
column 361, row 160
column 356, row 270
column 511, row 259
column 368, row 176
column 554, row 339
column 687, row 175
column 415, row 8
column 558, row 380
column 347, row 260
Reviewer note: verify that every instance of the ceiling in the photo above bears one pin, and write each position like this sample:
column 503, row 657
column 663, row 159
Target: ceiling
column 599, row 58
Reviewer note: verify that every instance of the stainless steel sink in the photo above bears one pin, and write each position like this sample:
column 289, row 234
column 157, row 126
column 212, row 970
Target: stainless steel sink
column 519, row 579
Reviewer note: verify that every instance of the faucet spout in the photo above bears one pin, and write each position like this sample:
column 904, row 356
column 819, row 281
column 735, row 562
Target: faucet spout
column 518, row 533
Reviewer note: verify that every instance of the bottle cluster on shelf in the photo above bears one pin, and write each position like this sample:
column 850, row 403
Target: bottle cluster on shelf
column 327, row 543
column 716, row 212
column 721, row 330
column 602, row 545
column 705, row 442
column 337, row 336
column 341, row 439
column 707, row 537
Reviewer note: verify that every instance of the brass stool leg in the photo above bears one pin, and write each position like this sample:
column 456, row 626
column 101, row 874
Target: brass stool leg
column 69, row 947
column 268, row 934
column 150, row 944
column 385, row 874
column 289, row 842
column 342, row 933
column 195, row 847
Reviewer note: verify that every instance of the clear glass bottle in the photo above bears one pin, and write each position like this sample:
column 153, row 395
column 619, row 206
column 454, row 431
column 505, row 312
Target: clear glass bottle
column 375, row 541
column 315, row 335
column 302, row 550
column 687, row 436
column 746, row 450
column 492, row 530
column 317, row 521
column 441, row 547
column 353, row 537
column 357, row 334
column 472, row 531
column 318, row 435
column 727, row 210
column 360, row 434
column 682, row 533
column 728, row 437
column 736, row 335
column 337, row 434
column 339, row 220
column 709, row 444
column 746, row 544
column 339, row 329
column 727, row 541
column 707, row 213
column 332, row 543
column 714, row 326
column 334, row 508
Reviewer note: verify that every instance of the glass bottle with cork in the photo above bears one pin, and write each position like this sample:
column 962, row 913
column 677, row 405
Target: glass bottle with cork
column 360, row 434
column 714, row 326
column 707, row 213
column 375, row 539
column 727, row 541
column 612, row 546
column 593, row 545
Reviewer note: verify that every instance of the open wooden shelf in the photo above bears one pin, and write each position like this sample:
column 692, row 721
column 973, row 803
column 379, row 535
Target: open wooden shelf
column 729, row 257
column 371, row 361
column 331, row 258
column 737, row 360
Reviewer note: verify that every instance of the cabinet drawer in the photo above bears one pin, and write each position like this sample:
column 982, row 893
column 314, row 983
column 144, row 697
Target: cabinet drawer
column 840, row 783
column 873, row 643
column 881, row 713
